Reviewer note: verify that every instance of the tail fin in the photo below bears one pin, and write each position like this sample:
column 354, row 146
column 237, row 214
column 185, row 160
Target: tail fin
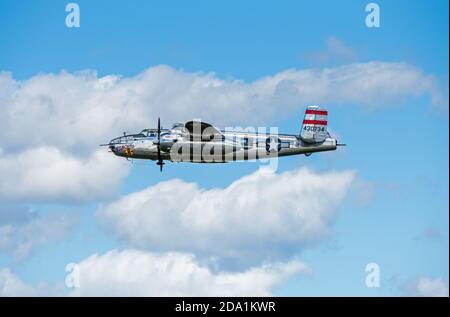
column 314, row 127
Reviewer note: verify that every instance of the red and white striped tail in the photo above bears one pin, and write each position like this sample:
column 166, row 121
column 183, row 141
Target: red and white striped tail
column 314, row 127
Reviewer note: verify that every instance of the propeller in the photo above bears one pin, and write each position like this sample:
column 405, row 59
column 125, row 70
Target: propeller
column 158, row 146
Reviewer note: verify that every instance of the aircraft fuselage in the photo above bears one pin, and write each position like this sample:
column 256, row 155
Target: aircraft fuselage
column 229, row 146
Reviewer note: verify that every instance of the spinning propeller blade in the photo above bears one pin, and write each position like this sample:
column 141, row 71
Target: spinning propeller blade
column 158, row 146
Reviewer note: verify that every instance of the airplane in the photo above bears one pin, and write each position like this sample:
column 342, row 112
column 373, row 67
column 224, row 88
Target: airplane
column 200, row 142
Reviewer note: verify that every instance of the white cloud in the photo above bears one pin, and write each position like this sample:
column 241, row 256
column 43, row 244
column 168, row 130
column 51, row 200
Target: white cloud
column 425, row 286
column 139, row 273
column 11, row 285
column 46, row 173
column 22, row 238
column 78, row 111
column 260, row 215
column 52, row 123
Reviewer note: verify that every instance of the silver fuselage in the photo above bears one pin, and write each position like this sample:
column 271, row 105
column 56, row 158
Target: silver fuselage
column 178, row 146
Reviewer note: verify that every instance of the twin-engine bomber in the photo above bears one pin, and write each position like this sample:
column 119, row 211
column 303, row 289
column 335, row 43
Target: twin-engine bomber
column 200, row 142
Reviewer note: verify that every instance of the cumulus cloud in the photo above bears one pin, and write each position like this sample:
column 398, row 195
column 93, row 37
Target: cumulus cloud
column 139, row 273
column 47, row 173
column 263, row 214
column 12, row 286
column 426, row 286
column 52, row 123
column 80, row 110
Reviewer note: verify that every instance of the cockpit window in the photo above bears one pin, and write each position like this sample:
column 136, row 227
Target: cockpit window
column 127, row 138
column 149, row 133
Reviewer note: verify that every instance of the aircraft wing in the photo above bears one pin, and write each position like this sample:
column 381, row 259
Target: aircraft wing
column 202, row 131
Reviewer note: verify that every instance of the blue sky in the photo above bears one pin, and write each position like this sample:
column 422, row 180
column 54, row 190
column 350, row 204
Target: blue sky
column 396, row 213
